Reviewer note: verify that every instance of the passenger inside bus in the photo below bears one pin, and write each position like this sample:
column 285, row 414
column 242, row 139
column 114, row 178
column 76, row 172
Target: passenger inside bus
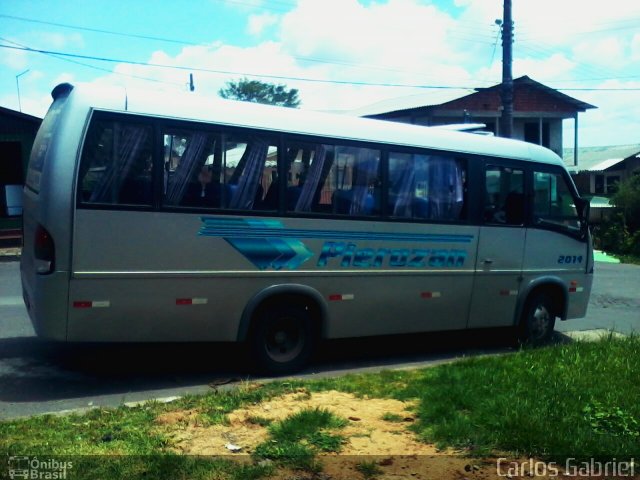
column 203, row 193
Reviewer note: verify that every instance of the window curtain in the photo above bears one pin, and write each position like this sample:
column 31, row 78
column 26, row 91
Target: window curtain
column 312, row 180
column 366, row 172
column 446, row 189
column 404, row 199
column 128, row 141
column 189, row 163
column 248, row 181
column 444, row 182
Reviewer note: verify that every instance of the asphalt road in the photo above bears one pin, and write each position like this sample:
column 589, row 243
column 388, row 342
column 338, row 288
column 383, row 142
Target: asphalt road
column 38, row 377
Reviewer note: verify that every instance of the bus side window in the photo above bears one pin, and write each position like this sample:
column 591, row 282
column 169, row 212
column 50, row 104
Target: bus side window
column 116, row 165
column 504, row 196
column 188, row 169
column 428, row 187
column 249, row 163
column 308, row 167
column 333, row 179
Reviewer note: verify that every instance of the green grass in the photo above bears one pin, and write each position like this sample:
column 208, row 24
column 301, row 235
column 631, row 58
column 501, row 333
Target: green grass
column 392, row 417
column 295, row 441
column 127, row 443
column 575, row 400
column 305, row 424
column 632, row 259
column 369, row 470
column 257, row 420
column 578, row 400
column 123, row 431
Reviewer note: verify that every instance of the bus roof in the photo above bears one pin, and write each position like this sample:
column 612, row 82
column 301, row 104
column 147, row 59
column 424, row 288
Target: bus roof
column 193, row 107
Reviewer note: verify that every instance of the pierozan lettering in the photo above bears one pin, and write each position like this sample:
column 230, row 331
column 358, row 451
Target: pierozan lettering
column 349, row 255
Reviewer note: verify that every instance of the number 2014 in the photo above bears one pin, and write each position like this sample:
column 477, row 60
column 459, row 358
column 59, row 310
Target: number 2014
column 569, row 259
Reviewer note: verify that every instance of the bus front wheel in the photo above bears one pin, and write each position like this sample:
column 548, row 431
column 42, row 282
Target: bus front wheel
column 282, row 339
column 538, row 319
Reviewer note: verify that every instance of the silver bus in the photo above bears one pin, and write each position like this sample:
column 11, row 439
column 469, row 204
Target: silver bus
column 162, row 217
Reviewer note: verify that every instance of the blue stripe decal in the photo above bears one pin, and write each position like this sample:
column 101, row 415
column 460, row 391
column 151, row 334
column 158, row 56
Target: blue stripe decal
column 269, row 245
column 273, row 253
column 236, row 228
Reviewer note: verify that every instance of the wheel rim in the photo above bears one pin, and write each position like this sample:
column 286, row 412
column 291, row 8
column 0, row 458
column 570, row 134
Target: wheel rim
column 284, row 340
column 540, row 322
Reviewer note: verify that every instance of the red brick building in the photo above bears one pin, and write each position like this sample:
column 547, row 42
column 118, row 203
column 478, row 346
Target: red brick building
column 538, row 112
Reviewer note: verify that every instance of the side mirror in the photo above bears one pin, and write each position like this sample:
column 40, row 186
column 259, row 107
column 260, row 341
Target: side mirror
column 584, row 209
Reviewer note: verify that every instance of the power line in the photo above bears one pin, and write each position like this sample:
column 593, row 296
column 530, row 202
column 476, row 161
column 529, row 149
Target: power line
column 98, row 30
column 463, row 36
column 67, row 57
column 94, row 67
column 589, row 70
column 229, row 72
column 633, row 25
column 467, row 38
column 285, row 7
column 279, row 77
column 599, row 89
column 495, row 46
column 600, row 79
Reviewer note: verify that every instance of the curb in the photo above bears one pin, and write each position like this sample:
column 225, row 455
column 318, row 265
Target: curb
column 593, row 335
column 10, row 254
column 576, row 336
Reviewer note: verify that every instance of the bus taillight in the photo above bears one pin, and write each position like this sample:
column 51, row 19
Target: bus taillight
column 44, row 251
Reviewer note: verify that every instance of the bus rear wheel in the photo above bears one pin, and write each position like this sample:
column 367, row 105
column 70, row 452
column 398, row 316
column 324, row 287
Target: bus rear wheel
column 538, row 320
column 282, row 339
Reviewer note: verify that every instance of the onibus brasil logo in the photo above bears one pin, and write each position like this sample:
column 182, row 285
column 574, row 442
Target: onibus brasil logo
column 34, row 468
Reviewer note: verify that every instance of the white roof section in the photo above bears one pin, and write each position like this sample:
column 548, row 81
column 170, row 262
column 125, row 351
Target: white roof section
column 427, row 99
column 590, row 158
column 600, row 202
column 189, row 106
column 606, row 164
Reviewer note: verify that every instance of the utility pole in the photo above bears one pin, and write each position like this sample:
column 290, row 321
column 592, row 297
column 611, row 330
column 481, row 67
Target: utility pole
column 506, row 92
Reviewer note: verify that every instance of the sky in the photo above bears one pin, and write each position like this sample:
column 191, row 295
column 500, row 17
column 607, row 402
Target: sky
column 340, row 54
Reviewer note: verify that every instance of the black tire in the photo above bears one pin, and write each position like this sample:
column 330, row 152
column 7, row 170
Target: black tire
column 282, row 339
column 538, row 320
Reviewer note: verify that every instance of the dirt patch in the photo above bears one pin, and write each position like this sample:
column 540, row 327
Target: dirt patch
column 180, row 417
column 385, row 447
column 366, row 433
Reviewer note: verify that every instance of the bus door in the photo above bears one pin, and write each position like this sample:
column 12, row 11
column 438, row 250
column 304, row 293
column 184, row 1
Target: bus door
column 556, row 244
column 498, row 273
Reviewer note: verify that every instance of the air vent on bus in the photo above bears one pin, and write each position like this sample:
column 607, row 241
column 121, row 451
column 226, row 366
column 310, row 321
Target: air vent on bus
column 61, row 89
column 477, row 128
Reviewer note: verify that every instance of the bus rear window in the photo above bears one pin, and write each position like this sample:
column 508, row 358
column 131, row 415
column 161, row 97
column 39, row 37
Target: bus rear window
column 117, row 165
column 42, row 142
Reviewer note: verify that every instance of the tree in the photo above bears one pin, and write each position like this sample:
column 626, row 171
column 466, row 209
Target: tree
column 621, row 232
column 260, row 92
column 627, row 198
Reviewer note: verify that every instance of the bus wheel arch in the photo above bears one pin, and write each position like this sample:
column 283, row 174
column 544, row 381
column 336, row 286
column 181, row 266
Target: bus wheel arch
column 282, row 330
column 536, row 319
